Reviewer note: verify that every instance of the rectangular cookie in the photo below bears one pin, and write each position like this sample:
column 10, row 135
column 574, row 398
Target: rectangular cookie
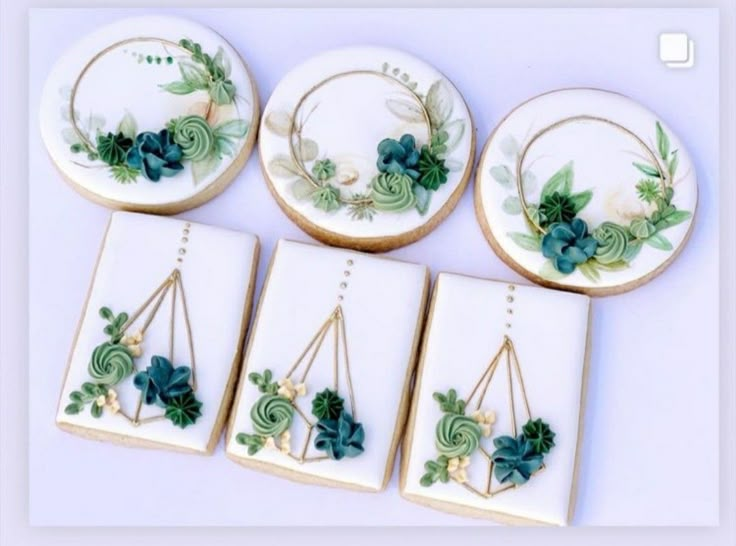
column 324, row 390
column 499, row 392
column 157, row 349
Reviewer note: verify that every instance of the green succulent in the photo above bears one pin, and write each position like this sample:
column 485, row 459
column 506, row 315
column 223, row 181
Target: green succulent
column 436, row 471
column 324, row 169
column 183, row 410
column 327, row 405
column 450, row 403
column 432, row 169
column 538, row 433
column 113, row 148
column 515, row 459
column 326, row 198
column 648, row 190
column 557, row 207
column 642, row 228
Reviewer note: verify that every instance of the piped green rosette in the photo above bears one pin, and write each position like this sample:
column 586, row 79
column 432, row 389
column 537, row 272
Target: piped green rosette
column 113, row 361
column 459, row 436
column 161, row 153
column 567, row 240
column 272, row 415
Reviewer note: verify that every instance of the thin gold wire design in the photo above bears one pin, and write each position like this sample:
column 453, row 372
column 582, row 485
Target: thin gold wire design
column 295, row 133
column 336, row 323
column 663, row 174
column 480, row 390
column 94, row 59
column 173, row 283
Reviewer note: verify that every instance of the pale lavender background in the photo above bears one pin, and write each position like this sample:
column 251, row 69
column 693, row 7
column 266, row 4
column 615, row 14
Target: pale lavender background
column 650, row 453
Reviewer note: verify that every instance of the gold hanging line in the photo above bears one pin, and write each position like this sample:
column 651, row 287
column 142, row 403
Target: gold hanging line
column 663, row 175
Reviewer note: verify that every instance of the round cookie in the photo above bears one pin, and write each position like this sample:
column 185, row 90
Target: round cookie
column 366, row 147
column 585, row 190
column 151, row 114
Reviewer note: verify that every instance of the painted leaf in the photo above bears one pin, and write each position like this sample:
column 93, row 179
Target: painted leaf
column 502, row 175
column 302, row 189
column 663, row 142
column 632, row 250
column 580, row 200
column 560, row 182
column 193, row 74
column 620, row 265
column 455, row 131
column 283, row 167
column 548, row 271
column 647, row 169
column 278, row 123
column 511, row 205
column 405, row 110
column 69, row 136
column 526, row 241
column 308, row 149
column 528, row 181
column 178, row 88
column 128, row 126
column 439, row 103
column 676, row 217
column 224, row 146
column 672, row 165
column 423, row 197
column 235, row 128
column 509, row 147
column 222, row 61
column 202, row 169
column 590, row 271
column 659, row 242
column 95, row 123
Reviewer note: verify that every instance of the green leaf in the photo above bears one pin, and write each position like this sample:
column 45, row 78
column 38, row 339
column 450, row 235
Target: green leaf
column 423, row 197
column 128, row 126
column 178, row 88
column 526, row 241
column 89, row 390
column 511, row 205
column 222, row 62
column 659, row 242
column 302, row 189
column 255, row 378
column 427, row 479
column 95, row 410
column 620, row 265
column 120, row 320
column 502, row 175
column 282, row 166
column 548, row 272
column 241, row 438
column 235, row 128
column 580, row 200
column 560, row 182
column 106, row 313
column 528, row 181
column 439, row 397
column 647, row 169
column 73, row 409
column 405, row 110
column 674, row 218
column 632, row 250
column 439, row 103
column 203, row 168
column 308, row 149
column 193, row 75
column 76, row 396
column 590, row 270
column 663, row 142
column 672, row 165
column 509, row 147
column 278, row 123
column 455, row 131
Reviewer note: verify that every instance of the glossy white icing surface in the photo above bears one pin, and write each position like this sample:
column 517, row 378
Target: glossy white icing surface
column 349, row 109
column 602, row 157
column 466, row 329
column 120, row 82
column 139, row 252
column 382, row 307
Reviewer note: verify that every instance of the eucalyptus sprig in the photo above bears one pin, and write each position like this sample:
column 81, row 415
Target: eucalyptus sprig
column 450, row 403
column 254, row 442
column 88, row 393
column 436, row 471
column 264, row 382
column 116, row 323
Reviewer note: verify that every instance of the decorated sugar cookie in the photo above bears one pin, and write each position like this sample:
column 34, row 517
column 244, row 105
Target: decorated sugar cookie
column 367, row 148
column 153, row 114
column 144, row 370
column 325, row 387
column 495, row 418
column 586, row 190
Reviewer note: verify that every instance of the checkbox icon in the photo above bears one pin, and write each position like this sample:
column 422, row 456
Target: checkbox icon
column 676, row 50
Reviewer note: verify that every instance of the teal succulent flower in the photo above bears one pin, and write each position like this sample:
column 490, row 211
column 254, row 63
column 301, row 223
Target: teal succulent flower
column 341, row 437
column 161, row 382
column 155, row 155
column 568, row 245
column 515, row 459
column 399, row 156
